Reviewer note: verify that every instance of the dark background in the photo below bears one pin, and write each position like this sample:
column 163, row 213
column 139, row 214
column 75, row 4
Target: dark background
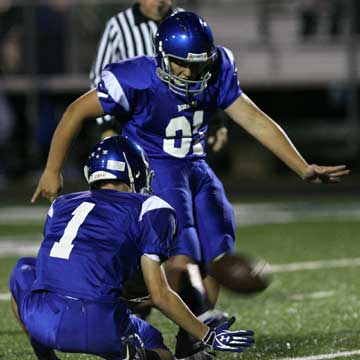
column 297, row 60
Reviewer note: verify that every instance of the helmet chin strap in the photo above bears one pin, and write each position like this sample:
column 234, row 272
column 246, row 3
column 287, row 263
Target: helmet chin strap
column 86, row 173
column 149, row 175
column 131, row 178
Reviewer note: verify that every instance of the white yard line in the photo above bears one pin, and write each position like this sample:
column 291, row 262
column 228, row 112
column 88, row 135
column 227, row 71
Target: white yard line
column 315, row 265
column 4, row 296
column 326, row 356
column 19, row 248
column 290, row 212
column 23, row 214
column 312, row 295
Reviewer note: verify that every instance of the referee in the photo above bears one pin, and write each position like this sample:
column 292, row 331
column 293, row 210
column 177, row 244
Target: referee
column 128, row 34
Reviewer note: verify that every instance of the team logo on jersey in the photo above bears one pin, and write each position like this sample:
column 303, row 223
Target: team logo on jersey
column 183, row 107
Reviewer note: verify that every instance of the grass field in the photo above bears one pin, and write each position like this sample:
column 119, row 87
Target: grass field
column 308, row 314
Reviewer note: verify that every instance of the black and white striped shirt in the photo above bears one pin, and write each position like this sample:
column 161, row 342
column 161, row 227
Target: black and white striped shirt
column 127, row 34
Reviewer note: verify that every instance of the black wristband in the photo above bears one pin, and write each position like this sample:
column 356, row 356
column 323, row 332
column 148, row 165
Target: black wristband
column 209, row 338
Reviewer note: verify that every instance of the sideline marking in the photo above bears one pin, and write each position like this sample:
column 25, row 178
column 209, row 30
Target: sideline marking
column 326, row 356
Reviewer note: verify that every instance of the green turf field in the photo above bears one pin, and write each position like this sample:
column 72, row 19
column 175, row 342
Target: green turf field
column 303, row 313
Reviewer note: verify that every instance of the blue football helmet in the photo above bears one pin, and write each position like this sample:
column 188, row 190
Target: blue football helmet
column 118, row 158
column 185, row 39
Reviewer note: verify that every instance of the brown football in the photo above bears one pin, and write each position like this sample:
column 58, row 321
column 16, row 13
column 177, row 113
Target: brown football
column 242, row 273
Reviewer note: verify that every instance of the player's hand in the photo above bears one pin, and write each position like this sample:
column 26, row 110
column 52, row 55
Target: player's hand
column 223, row 339
column 325, row 174
column 49, row 186
column 220, row 139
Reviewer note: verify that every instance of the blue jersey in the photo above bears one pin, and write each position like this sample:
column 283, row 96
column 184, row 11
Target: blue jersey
column 165, row 124
column 93, row 241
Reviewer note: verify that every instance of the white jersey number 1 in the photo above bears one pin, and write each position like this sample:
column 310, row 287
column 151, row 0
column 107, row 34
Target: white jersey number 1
column 63, row 248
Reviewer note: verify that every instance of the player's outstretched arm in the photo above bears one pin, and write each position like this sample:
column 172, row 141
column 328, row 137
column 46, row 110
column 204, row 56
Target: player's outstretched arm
column 85, row 107
column 245, row 113
column 163, row 297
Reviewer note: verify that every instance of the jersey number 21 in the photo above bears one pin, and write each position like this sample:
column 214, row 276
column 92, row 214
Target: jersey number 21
column 182, row 124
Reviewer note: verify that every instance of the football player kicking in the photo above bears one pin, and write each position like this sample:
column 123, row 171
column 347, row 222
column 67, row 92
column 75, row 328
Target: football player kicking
column 68, row 298
column 166, row 102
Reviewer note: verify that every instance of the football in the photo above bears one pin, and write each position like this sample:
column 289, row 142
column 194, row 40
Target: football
column 241, row 273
